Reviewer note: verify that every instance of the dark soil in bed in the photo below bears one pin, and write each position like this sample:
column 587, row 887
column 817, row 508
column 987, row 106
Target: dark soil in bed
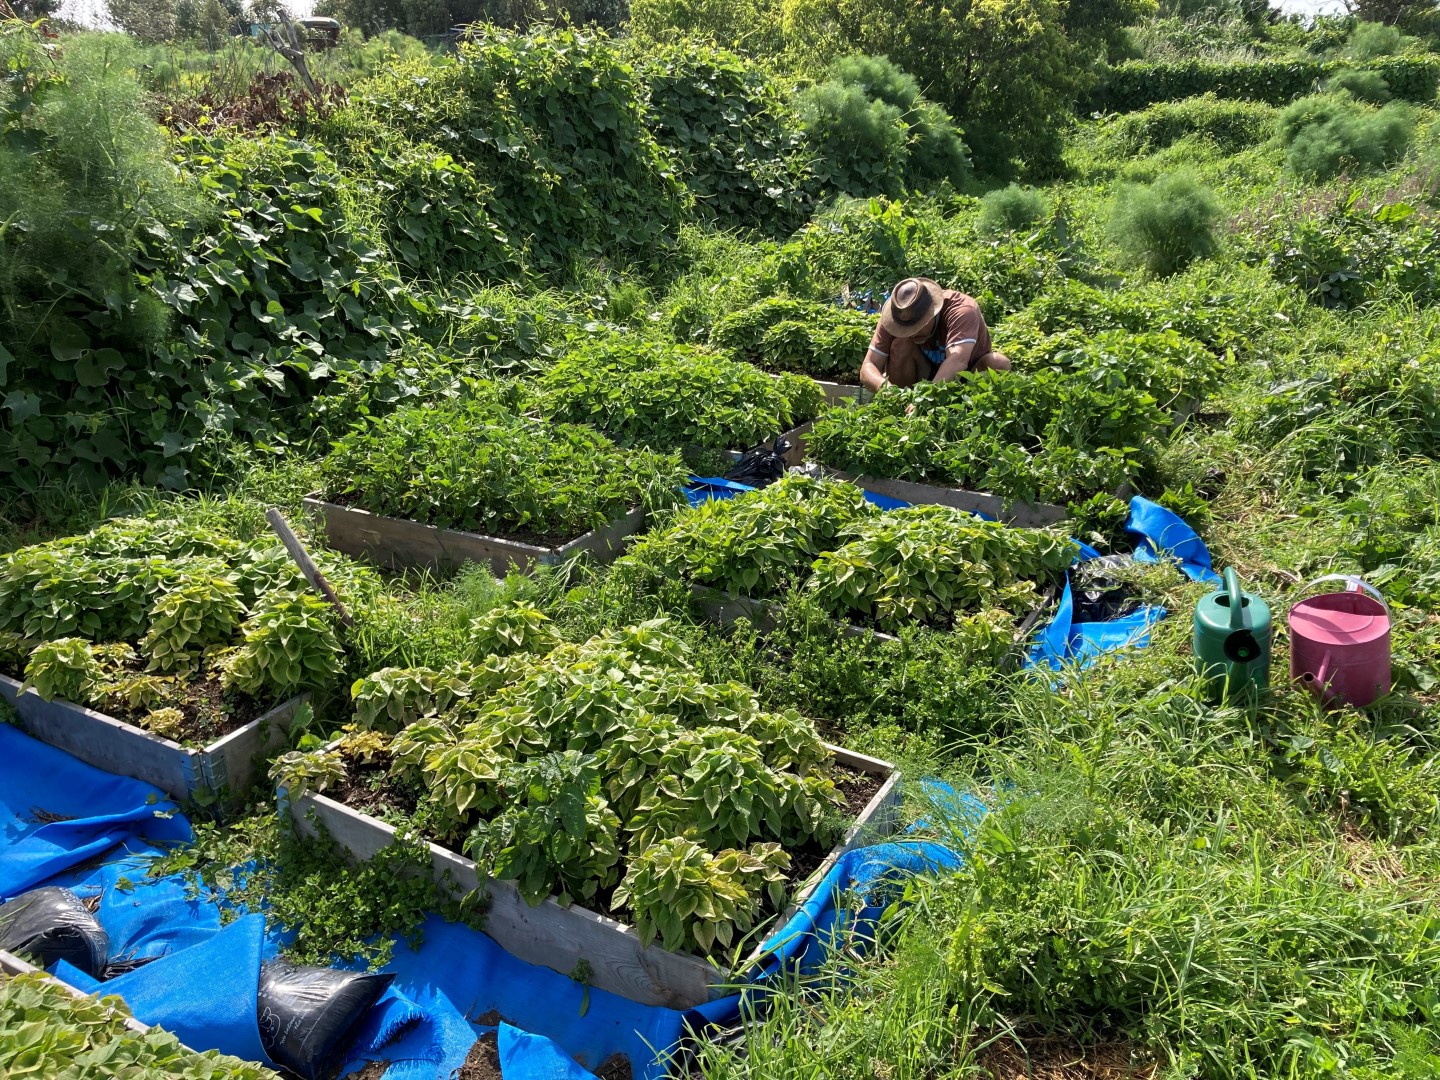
column 210, row 711
column 483, row 1061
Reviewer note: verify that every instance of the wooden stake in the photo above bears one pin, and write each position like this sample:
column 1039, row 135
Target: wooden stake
column 307, row 565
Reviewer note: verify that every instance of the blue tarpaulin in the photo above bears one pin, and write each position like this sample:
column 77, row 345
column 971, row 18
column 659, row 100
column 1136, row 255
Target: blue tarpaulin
column 57, row 812
column 702, row 489
column 1160, row 534
column 203, row 976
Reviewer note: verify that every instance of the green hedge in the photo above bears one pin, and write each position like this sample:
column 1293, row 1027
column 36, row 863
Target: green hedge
column 1132, row 86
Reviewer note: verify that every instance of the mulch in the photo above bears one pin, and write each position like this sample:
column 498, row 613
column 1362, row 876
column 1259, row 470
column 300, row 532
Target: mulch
column 1052, row 1057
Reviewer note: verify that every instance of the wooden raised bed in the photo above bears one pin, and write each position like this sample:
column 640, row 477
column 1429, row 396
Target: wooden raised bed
column 402, row 545
column 1010, row 511
column 836, row 392
column 562, row 938
column 227, row 764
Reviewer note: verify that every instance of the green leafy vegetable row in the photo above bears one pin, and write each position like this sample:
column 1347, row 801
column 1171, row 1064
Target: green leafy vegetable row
column 923, row 564
column 647, row 393
column 476, row 465
column 606, row 764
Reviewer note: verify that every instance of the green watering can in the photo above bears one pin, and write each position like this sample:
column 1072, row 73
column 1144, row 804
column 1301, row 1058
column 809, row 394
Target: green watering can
column 1232, row 641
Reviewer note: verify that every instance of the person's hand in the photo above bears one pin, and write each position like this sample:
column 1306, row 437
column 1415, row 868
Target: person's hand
column 910, row 409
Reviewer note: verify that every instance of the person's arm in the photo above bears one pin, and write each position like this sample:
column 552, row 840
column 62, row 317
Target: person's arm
column 957, row 359
column 962, row 328
column 875, row 368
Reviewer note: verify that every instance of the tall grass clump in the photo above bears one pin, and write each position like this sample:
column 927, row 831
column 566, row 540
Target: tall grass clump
column 1011, row 209
column 1327, row 134
column 1164, row 226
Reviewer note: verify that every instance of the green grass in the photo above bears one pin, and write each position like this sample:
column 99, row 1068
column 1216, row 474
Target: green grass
column 1206, row 892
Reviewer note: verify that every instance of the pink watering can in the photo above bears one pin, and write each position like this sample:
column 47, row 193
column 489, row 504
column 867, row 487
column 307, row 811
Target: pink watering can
column 1340, row 643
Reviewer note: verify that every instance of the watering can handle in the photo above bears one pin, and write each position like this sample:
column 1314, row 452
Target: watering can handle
column 1232, row 589
column 1355, row 583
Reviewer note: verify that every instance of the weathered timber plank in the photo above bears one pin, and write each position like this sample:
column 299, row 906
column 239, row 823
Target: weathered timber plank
column 547, row 935
column 723, row 608
column 400, row 545
column 104, row 742
column 118, row 747
column 11, row 965
column 229, row 763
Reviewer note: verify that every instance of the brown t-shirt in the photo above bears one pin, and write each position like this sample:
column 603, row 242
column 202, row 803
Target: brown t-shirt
column 960, row 322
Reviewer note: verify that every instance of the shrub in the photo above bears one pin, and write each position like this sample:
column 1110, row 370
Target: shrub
column 1348, row 254
column 1230, row 125
column 1327, row 134
column 1370, row 40
column 936, row 149
column 875, row 131
column 554, row 123
column 737, row 139
column 1361, row 85
column 1010, row 209
column 473, row 464
column 860, row 140
column 1166, row 225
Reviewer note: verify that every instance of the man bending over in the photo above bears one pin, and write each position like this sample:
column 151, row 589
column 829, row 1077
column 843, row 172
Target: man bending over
column 929, row 333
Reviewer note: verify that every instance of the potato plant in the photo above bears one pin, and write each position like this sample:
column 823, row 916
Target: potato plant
column 674, row 397
column 478, row 466
column 823, row 341
column 928, row 563
column 757, row 544
column 1054, row 436
column 561, row 776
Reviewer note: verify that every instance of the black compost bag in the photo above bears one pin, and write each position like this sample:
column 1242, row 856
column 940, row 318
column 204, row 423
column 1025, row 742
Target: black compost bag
column 760, row 466
column 50, row 924
column 307, row 1014
column 1098, row 595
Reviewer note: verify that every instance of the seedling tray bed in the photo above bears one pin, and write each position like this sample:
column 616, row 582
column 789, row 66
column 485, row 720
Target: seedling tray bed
column 227, row 764
column 562, row 938
column 1012, row 512
column 398, row 544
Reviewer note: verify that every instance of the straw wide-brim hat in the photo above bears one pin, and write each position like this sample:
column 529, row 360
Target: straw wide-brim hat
column 910, row 311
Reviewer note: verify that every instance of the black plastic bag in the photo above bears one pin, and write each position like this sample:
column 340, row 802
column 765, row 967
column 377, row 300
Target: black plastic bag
column 762, row 465
column 307, row 1014
column 1098, row 595
column 50, row 924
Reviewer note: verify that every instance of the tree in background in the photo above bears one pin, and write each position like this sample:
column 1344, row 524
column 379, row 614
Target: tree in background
column 1002, row 68
column 431, row 18
column 752, row 27
column 1097, row 27
column 35, row 9
column 148, row 20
